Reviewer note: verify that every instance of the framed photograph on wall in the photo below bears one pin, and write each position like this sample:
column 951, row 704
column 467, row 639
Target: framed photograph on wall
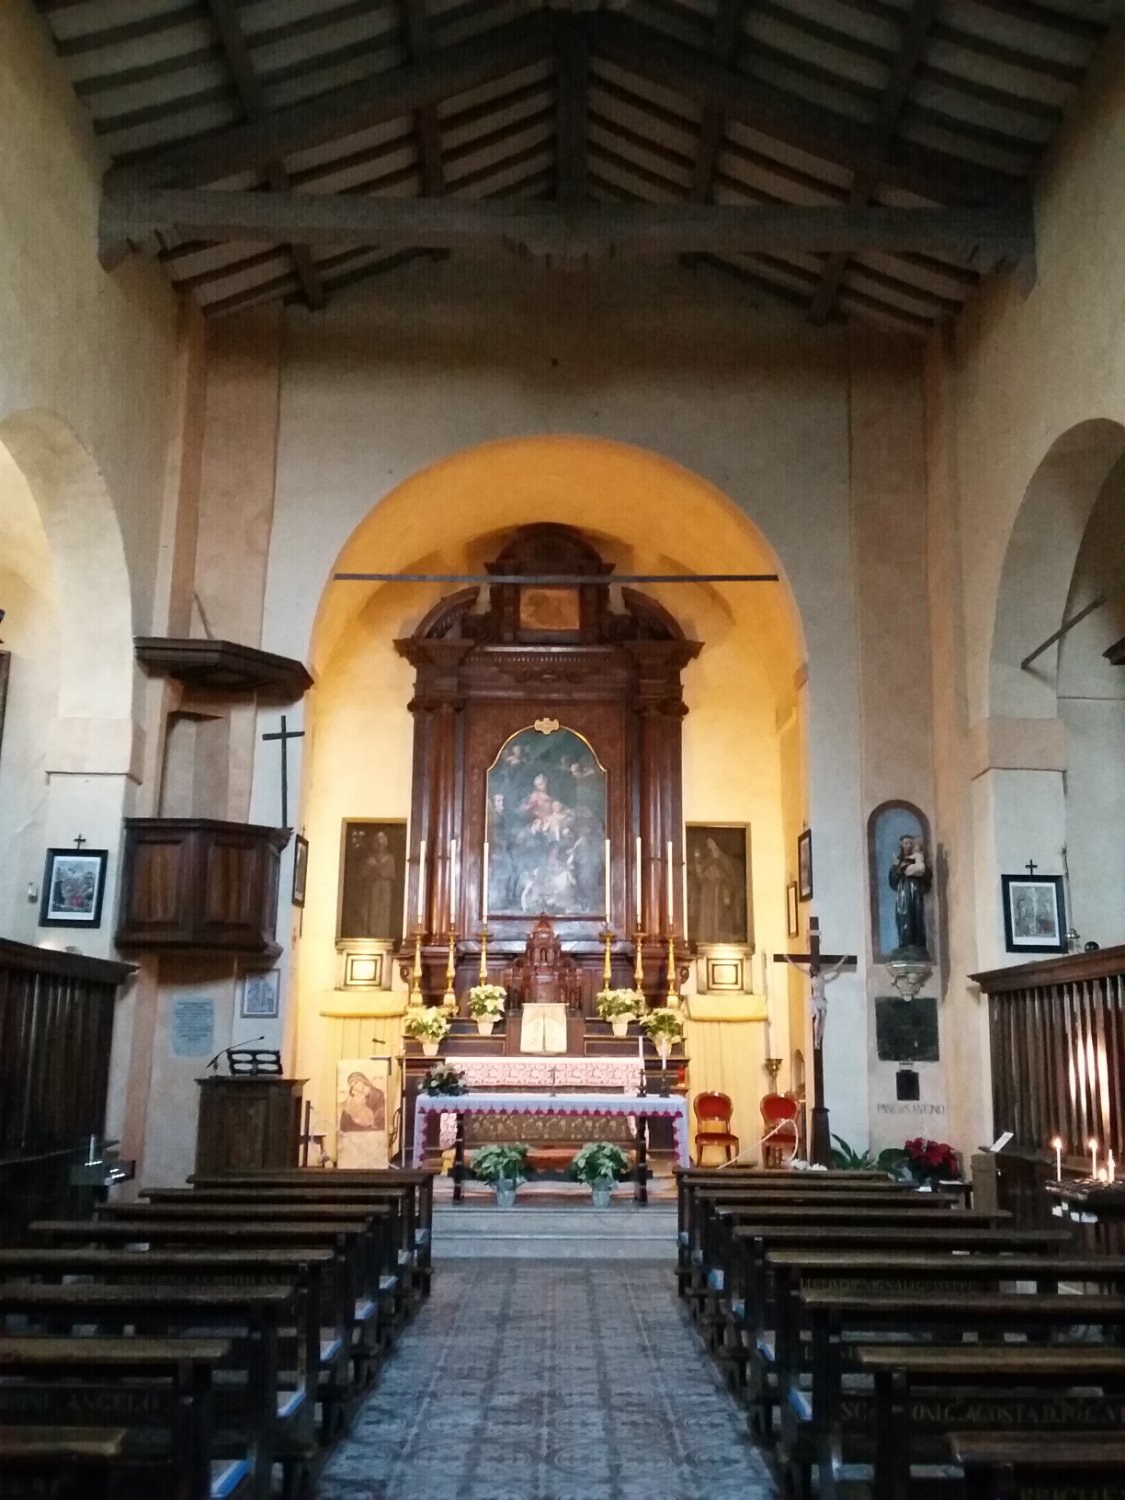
column 1034, row 915
column 300, row 868
column 261, row 995
column 792, row 912
column 73, row 887
column 804, row 865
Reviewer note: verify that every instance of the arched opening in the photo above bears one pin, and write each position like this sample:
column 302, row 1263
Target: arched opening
column 742, row 747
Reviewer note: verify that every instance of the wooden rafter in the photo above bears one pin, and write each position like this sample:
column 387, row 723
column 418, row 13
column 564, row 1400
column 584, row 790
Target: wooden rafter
column 712, row 123
column 572, row 86
column 224, row 17
column 912, row 44
column 987, row 236
column 431, row 167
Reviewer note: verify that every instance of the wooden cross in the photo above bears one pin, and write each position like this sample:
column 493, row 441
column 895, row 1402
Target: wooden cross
column 79, row 841
column 285, row 735
column 1031, row 867
column 820, row 1140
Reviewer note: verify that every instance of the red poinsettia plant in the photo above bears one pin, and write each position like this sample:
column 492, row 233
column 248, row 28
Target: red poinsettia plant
column 931, row 1161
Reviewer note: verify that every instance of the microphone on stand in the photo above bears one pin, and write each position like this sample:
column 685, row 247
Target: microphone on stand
column 234, row 1046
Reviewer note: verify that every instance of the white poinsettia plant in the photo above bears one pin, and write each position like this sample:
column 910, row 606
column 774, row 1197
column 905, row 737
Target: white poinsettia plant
column 427, row 1025
column 487, row 1000
column 663, row 1022
column 614, row 1004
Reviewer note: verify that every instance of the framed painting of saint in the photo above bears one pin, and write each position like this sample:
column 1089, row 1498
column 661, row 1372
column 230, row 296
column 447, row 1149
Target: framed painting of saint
column 546, row 822
column 372, row 879
column 718, row 882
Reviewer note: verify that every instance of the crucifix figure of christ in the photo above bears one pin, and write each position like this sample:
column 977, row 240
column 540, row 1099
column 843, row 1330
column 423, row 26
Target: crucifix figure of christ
column 285, row 735
column 820, row 1141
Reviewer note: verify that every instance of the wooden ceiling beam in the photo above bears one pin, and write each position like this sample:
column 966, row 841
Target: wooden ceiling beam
column 344, row 111
column 224, row 17
column 427, row 122
column 822, row 132
column 596, row 231
column 724, row 43
column 912, row 44
column 572, row 87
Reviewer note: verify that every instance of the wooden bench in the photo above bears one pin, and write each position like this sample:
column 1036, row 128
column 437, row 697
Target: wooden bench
column 159, row 1391
column 58, row 1463
column 1006, row 1387
column 1040, row 1466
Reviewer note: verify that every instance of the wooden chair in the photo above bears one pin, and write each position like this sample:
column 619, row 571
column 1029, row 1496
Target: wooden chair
column 712, row 1118
column 779, row 1116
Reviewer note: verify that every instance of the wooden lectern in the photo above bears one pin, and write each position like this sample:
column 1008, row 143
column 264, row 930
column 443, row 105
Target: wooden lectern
column 247, row 1123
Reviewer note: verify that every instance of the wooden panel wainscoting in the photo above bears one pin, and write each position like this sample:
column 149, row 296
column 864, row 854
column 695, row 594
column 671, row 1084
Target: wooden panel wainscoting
column 56, row 1031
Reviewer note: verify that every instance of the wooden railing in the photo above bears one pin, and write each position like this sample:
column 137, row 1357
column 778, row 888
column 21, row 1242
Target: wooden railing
column 1057, row 1034
column 56, row 1030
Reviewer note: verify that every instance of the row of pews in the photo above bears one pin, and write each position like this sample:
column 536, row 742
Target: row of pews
column 206, row 1343
column 900, row 1345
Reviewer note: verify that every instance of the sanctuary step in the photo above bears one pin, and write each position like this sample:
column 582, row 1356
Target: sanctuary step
column 560, row 1232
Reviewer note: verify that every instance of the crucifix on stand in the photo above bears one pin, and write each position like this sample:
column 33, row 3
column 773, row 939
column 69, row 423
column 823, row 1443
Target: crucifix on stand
column 820, row 1141
column 285, row 735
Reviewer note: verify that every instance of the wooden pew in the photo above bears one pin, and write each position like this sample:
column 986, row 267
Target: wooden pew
column 1040, row 1466
column 156, row 1386
column 1005, row 1386
column 58, row 1463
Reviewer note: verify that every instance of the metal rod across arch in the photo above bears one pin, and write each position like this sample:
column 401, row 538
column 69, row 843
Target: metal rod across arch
column 583, row 580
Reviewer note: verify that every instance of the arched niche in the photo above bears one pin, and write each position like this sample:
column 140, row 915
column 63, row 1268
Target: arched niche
column 888, row 823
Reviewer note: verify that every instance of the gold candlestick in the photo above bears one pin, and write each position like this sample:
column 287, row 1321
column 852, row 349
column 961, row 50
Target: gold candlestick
column 773, row 1068
column 416, row 973
column 482, row 973
column 607, row 966
column 673, row 997
column 449, row 999
column 639, row 961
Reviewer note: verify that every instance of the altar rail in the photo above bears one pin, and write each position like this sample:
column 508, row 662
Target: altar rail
column 1057, row 1034
column 56, row 1030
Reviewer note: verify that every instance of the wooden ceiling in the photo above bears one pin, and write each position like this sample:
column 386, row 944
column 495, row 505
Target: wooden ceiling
column 853, row 158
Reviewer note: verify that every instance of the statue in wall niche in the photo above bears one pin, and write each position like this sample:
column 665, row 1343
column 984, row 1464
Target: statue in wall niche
column 910, row 877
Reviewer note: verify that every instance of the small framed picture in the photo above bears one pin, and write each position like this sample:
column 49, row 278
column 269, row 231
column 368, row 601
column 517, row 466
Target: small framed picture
column 792, row 914
column 804, row 865
column 1034, row 917
column 73, row 887
column 300, row 868
column 261, row 994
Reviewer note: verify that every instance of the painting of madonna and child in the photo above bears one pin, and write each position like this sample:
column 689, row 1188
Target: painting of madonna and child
column 546, row 827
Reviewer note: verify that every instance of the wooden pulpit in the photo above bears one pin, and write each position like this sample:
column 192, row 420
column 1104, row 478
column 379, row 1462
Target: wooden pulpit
column 247, row 1123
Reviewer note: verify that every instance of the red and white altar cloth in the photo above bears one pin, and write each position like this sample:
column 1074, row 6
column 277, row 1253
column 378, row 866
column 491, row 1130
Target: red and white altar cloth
column 645, row 1106
column 484, row 1073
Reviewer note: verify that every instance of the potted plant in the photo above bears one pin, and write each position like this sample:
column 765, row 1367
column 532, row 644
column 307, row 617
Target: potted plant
column 505, row 1167
column 664, row 1029
column 444, row 1078
column 931, row 1162
column 427, row 1026
column 619, row 1007
column 599, row 1164
column 486, row 1005
column 846, row 1158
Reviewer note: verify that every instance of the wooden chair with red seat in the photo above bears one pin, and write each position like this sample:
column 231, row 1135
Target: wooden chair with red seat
column 712, row 1119
column 779, row 1115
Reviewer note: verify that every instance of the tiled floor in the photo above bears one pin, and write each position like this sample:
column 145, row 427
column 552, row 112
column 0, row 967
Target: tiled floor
column 544, row 1380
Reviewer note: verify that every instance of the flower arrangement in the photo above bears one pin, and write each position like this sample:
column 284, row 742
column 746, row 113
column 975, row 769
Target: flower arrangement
column 426, row 1025
column 931, row 1161
column 444, row 1078
column 599, row 1161
column 618, row 1004
column 487, row 1000
column 663, row 1022
column 501, row 1163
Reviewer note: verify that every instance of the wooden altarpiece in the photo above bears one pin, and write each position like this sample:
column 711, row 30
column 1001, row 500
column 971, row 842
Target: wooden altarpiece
column 603, row 662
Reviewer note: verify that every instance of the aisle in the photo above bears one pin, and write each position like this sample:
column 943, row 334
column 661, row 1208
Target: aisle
column 541, row 1380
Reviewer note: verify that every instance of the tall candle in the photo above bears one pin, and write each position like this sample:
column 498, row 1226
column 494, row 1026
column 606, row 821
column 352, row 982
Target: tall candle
column 454, row 878
column 1058, row 1145
column 607, row 882
column 640, row 918
column 671, row 908
column 1093, row 1159
column 422, row 883
column 766, row 994
column 484, row 884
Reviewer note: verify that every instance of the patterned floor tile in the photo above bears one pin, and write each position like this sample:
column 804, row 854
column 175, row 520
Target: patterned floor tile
column 541, row 1380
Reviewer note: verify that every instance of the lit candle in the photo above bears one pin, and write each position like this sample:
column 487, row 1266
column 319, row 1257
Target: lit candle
column 671, row 908
column 607, row 882
column 1093, row 1159
column 1111, row 1166
column 641, row 1048
column 639, row 877
column 454, row 874
column 1057, row 1143
column 422, row 883
column 484, row 885
column 766, row 993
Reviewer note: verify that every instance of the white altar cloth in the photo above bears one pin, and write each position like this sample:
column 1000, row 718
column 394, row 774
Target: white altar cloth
column 645, row 1106
column 622, row 1073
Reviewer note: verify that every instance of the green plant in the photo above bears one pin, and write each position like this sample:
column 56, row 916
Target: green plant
column 487, row 1000
column 599, row 1161
column 444, row 1078
column 492, row 1163
column 846, row 1158
column 614, row 1004
column 663, row 1022
column 426, row 1025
